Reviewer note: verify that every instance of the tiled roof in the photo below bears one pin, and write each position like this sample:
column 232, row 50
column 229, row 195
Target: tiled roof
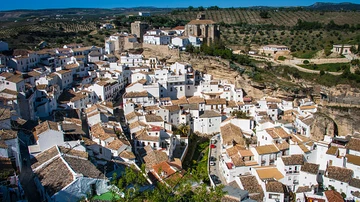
column 304, row 148
column 232, row 104
column 73, row 152
column 180, row 101
column 196, row 99
column 333, row 196
column 339, row 173
column 84, row 167
column 8, row 134
column 353, row 159
column 115, row 144
column 307, row 107
column 127, row 155
column 54, row 176
column 354, row 182
column 230, row 133
column 144, row 135
column 163, row 167
column 237, row 160
column 154, row 157
column 72, row 129
column 153, row 118
column 132, row 115
column 283, row 146
column 251, row 184
column 43, row 157
column 217, row 101
column 5, row 113
column 332, row 150
column 269, row 173
column 3, row 144
column 276, row 187
column 101, row 132
column 266, row 149
column 44, row 126
column 302, row 189
column 353, row 144
column 172, row 108
column 277, row 132
column 8, row 91
column 295, row 159
column 136, row 94
column 234, row 150
column 15, row 79
column 137, row 124
column 310, row 168
column 210, row 114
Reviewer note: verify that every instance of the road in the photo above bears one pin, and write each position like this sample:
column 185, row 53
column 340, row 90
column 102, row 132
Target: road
column 295, row 63
column 216, row 152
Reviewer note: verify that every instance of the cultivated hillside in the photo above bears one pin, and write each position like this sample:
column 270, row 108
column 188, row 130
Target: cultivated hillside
column 275, row 16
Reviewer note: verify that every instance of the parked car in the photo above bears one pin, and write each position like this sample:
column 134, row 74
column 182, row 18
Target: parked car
column 212, row 163
column 212, row 146
column 215, row 179
column 212, row 158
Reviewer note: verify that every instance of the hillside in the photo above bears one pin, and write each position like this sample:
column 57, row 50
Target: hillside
column 275, row 17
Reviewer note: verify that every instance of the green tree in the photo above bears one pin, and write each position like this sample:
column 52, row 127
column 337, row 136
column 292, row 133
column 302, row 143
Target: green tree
column 322, row 72
column 264, row 14
column 183, row 129
column 239, row 114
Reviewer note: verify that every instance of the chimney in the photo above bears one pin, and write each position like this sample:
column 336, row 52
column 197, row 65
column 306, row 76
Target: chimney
column 60, row 128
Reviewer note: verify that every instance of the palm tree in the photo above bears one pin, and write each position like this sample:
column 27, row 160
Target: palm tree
column 184, row 129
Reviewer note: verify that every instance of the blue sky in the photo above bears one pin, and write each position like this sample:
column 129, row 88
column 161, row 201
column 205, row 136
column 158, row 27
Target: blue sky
column 41, row 4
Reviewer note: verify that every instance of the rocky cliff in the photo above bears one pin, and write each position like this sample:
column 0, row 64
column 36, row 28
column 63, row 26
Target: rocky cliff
column 339, row 121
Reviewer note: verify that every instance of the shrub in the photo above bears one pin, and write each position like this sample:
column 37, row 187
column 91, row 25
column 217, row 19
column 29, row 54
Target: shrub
column 306, row 62
column 282, row 58
column 322, row 72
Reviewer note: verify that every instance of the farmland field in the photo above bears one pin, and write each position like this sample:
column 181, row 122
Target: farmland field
column 276, row 17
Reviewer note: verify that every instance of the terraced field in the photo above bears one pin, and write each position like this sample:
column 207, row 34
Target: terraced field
column 276, row 17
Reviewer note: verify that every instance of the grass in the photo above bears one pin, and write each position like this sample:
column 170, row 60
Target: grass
column 331, row 67
column 106, row 197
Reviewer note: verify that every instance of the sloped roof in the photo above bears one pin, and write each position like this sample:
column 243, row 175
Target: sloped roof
column 230, row 133
column 210, row 114
column 101, row 132
column 43, row 157
column 266, row 149
column 54, row 176
column 339, row 173
column 44, row 126
column 269, row 173
column 310, row 168
column 84, row 167
column 295, row 159
column 8, row 134
column 333, row 196
column 153, row 118
column 353, row 144
column 276, row 187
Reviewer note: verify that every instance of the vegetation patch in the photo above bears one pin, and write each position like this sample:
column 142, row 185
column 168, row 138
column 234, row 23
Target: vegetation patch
column 330, row 67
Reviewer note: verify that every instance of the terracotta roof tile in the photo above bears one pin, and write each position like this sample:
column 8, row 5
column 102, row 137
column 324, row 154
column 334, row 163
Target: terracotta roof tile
column 230, row 133
column 210, row 114
column 8, row 134
column 295, row 159
column 276, row 187
column 217, row 101
column 266, row 149
column 127, row 155
column 310, row 168
column 136, row 94
column 54, row 176
column 353, row 144
column 339, row 173
column 269, row 173
column 153, row 118
column 333, row 196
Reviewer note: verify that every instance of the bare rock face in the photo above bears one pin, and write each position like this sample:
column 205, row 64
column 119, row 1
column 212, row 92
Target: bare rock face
column 322, row 125
column 347, row 119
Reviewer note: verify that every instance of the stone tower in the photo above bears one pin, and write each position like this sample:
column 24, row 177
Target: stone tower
column 139, row 29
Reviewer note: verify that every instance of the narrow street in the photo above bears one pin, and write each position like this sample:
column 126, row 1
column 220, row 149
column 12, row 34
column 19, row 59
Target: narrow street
column 26, row 176
column 216, row 153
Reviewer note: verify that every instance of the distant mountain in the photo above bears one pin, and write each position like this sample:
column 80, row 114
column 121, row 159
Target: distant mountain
column 346, row 6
